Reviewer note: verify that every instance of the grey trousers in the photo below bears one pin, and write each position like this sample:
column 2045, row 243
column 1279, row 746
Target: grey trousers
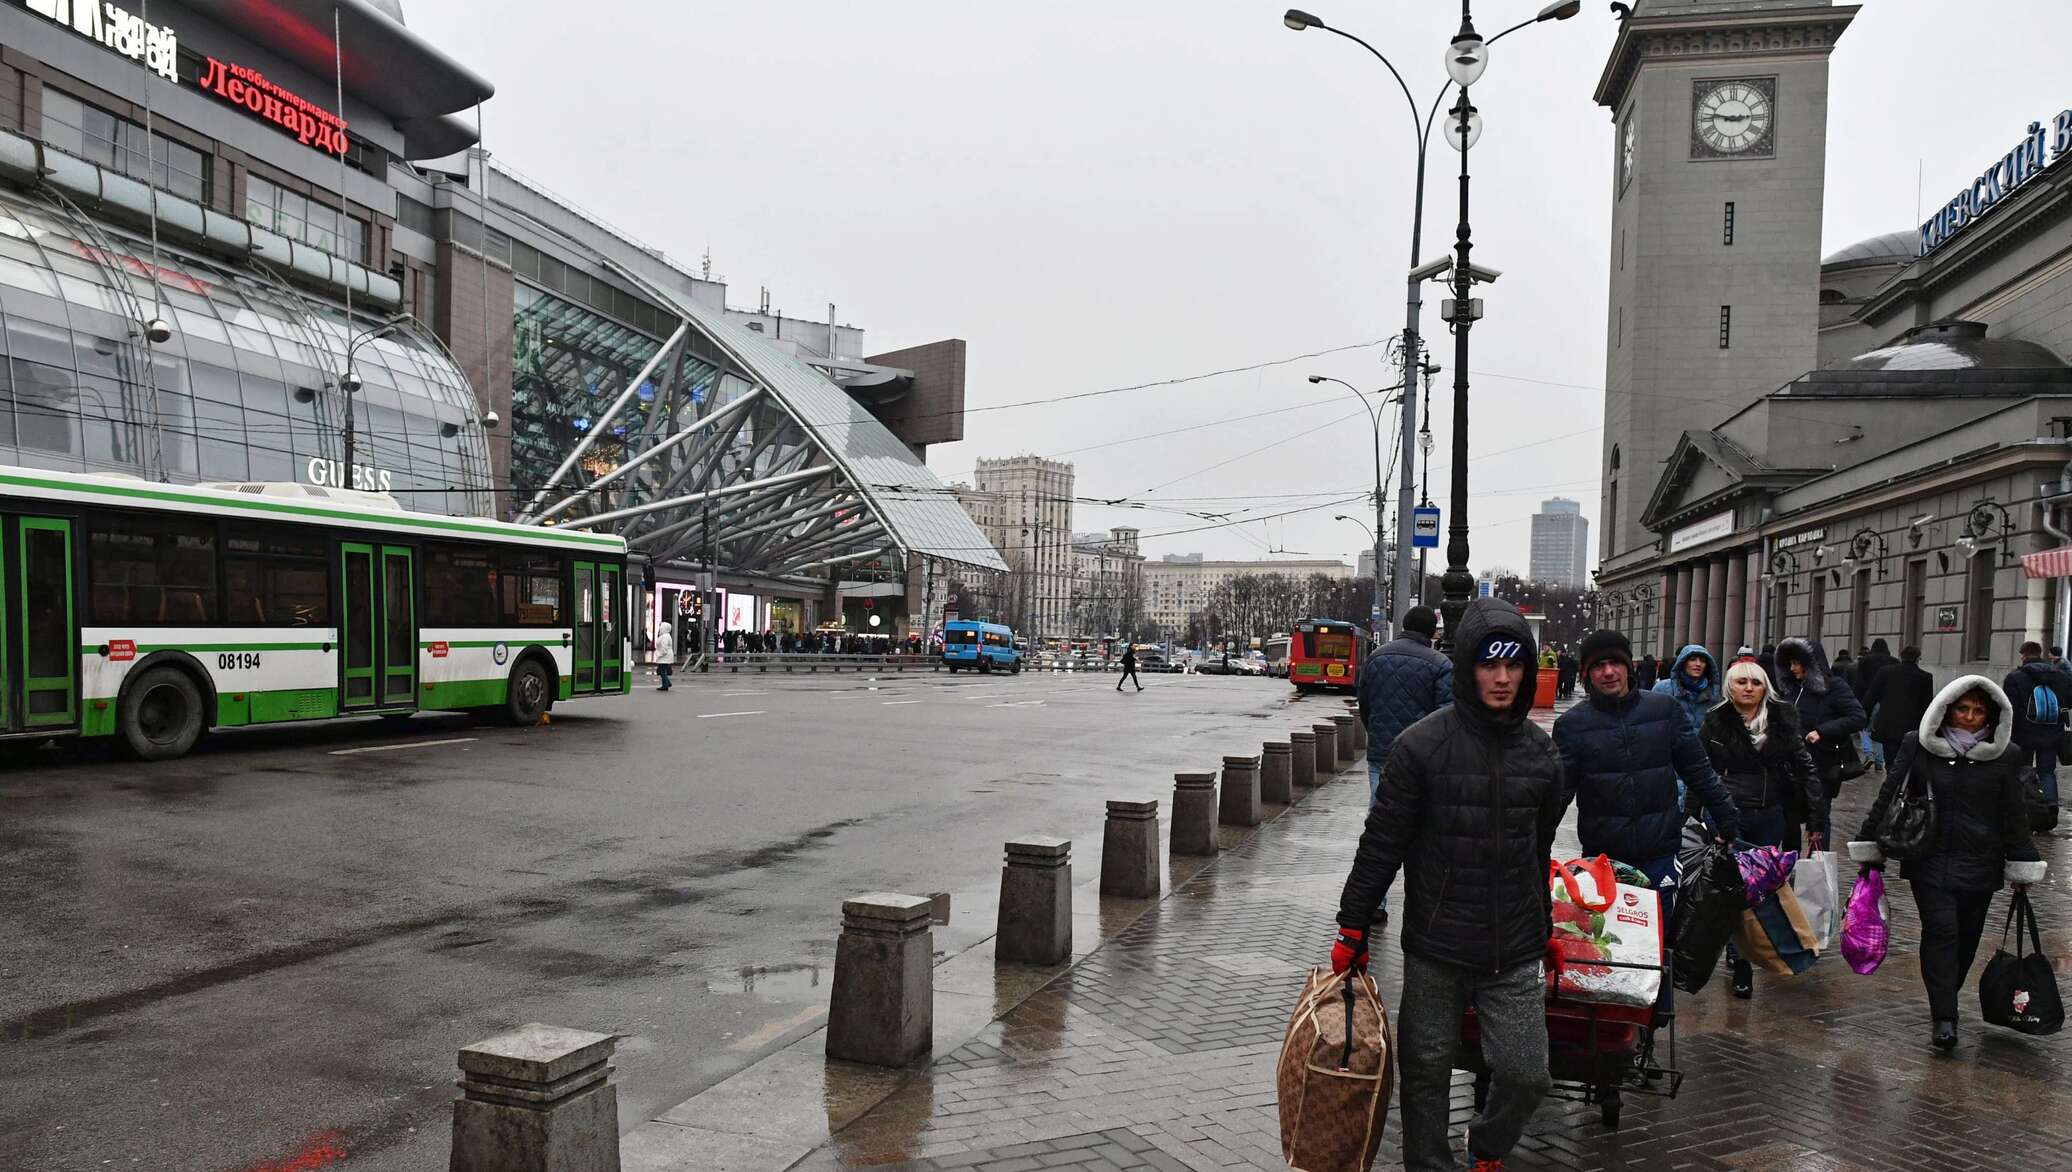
column 1512, row 1009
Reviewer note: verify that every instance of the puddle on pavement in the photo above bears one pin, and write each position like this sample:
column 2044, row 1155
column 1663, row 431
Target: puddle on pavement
column 782, row 982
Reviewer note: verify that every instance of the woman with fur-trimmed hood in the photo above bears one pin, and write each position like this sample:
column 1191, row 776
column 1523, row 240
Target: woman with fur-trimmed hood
column 1961, row 753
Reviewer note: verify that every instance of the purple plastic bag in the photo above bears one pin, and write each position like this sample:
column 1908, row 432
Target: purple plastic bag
column 1863, row 925
column 1764, row 869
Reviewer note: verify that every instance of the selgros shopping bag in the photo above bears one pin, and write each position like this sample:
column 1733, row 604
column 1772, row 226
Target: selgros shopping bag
column 1595, row 921
column 1709, row 901
column 1817, row 881
column 1336, row 1069
column 2018, row 990
column 1864, row 934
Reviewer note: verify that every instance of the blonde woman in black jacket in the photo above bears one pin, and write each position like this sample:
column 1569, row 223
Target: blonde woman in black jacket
column 1757, row 749
column 1962, row 753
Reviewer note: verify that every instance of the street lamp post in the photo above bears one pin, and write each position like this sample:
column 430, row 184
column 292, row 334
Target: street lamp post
column 1384, row 608
column 1299, row 20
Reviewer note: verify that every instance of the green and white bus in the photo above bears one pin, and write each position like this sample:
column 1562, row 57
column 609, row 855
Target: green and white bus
column 154, row 612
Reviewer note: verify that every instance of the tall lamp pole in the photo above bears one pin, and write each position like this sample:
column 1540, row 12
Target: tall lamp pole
column 1381, row 606
column 1421, row 128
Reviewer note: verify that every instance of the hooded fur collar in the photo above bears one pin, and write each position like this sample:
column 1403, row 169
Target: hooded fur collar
column 1999, row 729
column 1808, row 652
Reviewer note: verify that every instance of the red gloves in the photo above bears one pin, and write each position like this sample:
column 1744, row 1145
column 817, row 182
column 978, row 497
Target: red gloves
column 1349, row 951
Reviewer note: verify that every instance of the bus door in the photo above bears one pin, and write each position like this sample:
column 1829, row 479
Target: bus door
column 599, row 658
column 378, row 629
column 36, row 596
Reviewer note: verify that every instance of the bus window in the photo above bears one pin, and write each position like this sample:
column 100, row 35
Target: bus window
column 1330, row 645
column 275, row 577
column 532, row 589
column 151, row 570
column 460, row 586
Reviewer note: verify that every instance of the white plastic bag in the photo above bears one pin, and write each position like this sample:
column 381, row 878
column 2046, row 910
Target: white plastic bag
column 1817, row 881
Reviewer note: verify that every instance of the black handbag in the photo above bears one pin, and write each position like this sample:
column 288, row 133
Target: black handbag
column 2065, row 746
column 1909, row 825
column 1848, row 760
column 2018, row 990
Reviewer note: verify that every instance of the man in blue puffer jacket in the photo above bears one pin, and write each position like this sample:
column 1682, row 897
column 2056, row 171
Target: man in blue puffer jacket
column 1400, row 684
column 1624, row 754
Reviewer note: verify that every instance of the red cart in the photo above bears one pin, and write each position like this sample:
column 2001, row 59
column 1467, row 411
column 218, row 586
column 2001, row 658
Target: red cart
column 1596, row 1053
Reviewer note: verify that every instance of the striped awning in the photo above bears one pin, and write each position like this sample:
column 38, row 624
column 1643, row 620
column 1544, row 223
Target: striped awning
column 2051, row 563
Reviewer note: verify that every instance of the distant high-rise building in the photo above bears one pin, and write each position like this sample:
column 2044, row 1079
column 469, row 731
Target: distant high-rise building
column 1560, row 543
column 1024, row 506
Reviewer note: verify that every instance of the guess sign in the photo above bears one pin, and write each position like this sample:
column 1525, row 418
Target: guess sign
column 439, row 649
column 122, row 650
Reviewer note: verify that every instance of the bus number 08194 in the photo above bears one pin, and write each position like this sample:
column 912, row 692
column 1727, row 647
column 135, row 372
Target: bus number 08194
column 231, row 660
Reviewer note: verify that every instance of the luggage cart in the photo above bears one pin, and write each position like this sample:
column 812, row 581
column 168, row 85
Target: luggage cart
column 1596, row 1053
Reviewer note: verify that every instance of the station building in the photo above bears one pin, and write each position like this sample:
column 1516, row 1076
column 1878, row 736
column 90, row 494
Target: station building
column 1889, row 449
column 258, row 240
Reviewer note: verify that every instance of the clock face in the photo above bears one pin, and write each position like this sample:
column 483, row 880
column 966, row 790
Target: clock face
column 1626, row 144
column 1731, row 119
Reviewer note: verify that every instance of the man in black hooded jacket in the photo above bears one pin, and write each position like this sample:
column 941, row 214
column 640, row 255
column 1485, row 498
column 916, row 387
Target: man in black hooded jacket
column 1467, row 806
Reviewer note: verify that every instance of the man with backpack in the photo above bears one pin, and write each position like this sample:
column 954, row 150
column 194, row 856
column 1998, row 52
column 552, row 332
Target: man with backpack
column 2042, row 696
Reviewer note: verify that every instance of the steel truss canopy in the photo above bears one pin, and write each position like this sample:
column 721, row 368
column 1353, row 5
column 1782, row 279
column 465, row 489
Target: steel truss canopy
column 727, row 451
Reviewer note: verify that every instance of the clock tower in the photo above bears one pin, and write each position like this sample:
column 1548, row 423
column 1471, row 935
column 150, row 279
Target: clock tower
column 1719, row 153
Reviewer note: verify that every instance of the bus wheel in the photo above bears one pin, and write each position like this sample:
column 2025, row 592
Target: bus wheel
column 1017, row 667
column 530, row 693
column 161, row 715
column 952, row 667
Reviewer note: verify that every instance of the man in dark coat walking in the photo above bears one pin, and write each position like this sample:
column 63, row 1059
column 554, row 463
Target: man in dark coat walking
column 1129, row 667
column 1900, row 695
column 1401, row 684
column 1623, row 751
column 2036, row 741
column 1875, row 658
column 1467, row 808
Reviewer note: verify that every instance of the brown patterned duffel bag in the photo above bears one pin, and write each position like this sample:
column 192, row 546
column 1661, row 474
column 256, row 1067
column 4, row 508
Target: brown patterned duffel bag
column 1337, row 1067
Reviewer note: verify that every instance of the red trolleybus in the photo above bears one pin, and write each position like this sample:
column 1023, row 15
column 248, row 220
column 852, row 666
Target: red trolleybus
column 1325, row 653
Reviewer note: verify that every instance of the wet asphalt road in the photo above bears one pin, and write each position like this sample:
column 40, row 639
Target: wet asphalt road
column 273, row 948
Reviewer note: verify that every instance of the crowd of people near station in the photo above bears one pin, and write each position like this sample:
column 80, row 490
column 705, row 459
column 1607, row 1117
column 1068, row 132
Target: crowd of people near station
column 1730, row 752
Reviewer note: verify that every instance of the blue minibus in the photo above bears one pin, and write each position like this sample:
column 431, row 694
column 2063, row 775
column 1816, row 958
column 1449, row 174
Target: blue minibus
column 985, row 646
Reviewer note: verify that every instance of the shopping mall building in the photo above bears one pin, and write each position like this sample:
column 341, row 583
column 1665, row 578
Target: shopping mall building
column 247, row 240
column 1889, row 449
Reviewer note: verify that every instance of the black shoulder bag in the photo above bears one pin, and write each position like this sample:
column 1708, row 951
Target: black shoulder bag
column 1909, row 825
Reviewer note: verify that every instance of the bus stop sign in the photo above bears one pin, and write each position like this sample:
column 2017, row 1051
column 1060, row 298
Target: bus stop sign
column 1424, row 528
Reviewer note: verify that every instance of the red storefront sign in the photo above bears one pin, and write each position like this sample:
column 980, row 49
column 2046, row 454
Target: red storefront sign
column 311, row 124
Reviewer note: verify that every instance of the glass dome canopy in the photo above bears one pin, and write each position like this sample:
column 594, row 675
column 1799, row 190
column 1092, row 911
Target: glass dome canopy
column 245, row 389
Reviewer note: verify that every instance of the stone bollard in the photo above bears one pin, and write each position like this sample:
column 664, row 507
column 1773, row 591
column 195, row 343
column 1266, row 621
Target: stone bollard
column 1304, row 758
column 1129, row 850
column 1240, row 804
column 1194, row 814
column 1359, row 727
column 1277, row 773
column 1327, row 750
column 1344, row 729
column 1035, row 922
column 882, row 1007
column 538, row 1099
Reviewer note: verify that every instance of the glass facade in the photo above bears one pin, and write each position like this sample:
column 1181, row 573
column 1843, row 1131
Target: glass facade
column 569, row 364
column 299, row 217
column 243, row 391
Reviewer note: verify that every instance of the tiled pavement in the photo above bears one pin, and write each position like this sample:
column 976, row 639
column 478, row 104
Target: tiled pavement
column 1157, row 1050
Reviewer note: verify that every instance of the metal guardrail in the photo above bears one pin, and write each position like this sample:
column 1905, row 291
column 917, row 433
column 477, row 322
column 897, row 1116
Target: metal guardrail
column 767, row 661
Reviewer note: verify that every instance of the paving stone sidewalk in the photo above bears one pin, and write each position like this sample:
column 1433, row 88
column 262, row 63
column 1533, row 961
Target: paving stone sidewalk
column 1157, row 1050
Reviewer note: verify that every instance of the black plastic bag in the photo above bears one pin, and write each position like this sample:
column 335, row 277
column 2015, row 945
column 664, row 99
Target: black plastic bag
column 1710, row 897
column 2018, row 990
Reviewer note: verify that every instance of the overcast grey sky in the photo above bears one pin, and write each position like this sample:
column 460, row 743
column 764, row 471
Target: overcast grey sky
column 1101, row 194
